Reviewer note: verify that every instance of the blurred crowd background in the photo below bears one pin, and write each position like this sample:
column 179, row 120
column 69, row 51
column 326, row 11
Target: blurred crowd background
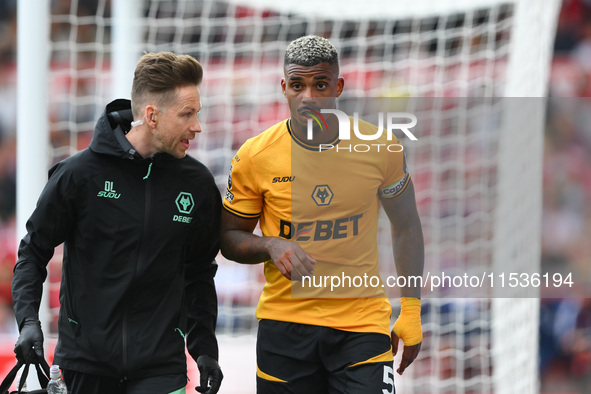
column 565, row 324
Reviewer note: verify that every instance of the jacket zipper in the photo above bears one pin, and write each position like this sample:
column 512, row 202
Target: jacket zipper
column 140, row 261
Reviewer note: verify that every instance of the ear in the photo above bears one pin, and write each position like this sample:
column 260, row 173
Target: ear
column 283, row 87
column 340, row 85
column 150, row 115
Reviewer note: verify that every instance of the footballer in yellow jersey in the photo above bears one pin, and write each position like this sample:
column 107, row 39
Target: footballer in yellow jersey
column 317, row 201
column 327, row 201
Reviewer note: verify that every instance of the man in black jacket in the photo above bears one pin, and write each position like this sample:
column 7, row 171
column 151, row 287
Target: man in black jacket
column 140, row 221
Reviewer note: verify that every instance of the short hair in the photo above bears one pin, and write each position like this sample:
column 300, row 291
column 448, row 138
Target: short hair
column 310, row 51
column 158, row 75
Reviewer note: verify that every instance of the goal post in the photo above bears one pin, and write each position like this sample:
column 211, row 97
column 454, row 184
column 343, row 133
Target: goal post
column 33, row 151
column 517, row 237
column 127, row 39
column 481, row 65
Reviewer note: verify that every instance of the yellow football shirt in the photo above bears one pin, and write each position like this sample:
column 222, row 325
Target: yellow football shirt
column 326, row 200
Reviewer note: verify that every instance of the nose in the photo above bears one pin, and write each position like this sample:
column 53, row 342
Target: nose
column 308, row 96
column 307, row 92
column 196, row 126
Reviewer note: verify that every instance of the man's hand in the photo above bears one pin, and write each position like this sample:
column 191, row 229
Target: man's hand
column 29, row 346
column 290, row 259
column 238, row 243
column 211, row 375
column 408, row 328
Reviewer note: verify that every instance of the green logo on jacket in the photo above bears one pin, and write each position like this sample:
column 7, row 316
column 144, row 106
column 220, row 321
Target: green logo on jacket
column 185, row 204
column 109, row 192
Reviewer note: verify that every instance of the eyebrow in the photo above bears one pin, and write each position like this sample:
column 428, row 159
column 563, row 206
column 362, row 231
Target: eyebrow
column 190, row 108
column 317, row 77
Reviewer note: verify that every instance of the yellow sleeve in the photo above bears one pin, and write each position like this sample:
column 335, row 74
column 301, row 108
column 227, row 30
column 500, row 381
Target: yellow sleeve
column 242, row 195
column 396, row 175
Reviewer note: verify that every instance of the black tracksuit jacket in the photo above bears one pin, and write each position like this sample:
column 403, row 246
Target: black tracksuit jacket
column 140, row 238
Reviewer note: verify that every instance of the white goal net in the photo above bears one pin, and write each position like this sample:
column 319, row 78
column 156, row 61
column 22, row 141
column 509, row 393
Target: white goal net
column 476, row 169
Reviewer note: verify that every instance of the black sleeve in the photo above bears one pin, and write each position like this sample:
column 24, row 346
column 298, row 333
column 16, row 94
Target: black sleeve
column 46, row 228
column 200, row 270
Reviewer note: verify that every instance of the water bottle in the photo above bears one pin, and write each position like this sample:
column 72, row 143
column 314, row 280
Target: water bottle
column 56, row 385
